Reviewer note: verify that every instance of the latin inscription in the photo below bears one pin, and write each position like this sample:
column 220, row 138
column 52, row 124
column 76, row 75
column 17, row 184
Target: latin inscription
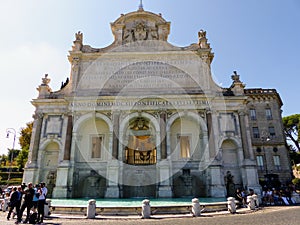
column 97, row 104
column 149, row 74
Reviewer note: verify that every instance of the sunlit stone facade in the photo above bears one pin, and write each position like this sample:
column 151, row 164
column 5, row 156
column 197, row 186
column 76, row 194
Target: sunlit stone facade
column 144, row 118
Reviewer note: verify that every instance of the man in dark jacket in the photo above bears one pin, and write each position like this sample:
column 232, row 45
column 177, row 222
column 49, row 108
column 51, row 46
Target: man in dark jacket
column 27, row 203
column 12, row 202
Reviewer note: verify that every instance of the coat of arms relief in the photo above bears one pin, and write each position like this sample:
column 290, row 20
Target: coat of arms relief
column 140, row 31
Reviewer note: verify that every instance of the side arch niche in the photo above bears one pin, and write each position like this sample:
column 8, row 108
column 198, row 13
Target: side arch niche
column 49, row 160
column 186, row 138
column 92, row 141
column 231, row 167
column 91, row 185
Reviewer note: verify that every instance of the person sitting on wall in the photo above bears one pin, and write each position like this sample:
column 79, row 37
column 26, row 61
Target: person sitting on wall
column 277, row 197
column 269, row 196
column 240, row 198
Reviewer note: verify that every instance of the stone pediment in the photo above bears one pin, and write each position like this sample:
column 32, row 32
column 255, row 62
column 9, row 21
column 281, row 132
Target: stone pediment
column 145, row 46
column 140, row 26
column 138, row 46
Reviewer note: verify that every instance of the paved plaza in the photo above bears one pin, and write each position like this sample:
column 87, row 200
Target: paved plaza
column 287, row 215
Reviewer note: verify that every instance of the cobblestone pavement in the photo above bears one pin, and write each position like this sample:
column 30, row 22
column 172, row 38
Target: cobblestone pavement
column 288, row 215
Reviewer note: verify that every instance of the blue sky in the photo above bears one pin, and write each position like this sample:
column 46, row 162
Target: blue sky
column 258, row 38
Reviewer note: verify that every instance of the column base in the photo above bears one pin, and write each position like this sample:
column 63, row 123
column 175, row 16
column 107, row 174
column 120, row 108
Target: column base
column 60, row 192
column 165, row 192
column 30, row 175
column 217, row 191
column 112, row 192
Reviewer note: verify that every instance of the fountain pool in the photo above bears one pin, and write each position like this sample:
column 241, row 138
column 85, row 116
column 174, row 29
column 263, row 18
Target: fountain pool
column 134, row 202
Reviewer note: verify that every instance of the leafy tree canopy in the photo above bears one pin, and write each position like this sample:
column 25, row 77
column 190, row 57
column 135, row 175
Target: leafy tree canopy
column 291, row 125
column 24, row 140
column 26, row 135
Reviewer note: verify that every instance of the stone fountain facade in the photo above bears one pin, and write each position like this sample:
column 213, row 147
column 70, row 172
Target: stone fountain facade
column 144, row 118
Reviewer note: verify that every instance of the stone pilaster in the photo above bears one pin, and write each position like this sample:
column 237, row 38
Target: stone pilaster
column 35, row 140
column 164, row 189
column 112, row 190
column 244, row 135
column 61, row 188
column 217, row 188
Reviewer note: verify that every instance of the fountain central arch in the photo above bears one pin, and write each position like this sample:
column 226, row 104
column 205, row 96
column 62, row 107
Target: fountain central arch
column 140, row 152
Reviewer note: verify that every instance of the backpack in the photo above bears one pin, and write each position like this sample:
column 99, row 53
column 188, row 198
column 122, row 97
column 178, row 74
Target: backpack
column 33, row 218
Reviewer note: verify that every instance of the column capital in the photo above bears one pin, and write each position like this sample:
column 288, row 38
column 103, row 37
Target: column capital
column 242, row 112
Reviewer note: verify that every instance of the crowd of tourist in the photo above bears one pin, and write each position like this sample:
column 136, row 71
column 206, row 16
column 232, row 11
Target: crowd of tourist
column 26, row 197
column 269, row 196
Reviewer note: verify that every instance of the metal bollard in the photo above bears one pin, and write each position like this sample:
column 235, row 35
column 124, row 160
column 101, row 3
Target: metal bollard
column 47, row 208
column 91, row 209
column 146, row 209
column 250, row 202
column 196, row 207
column 231, row 205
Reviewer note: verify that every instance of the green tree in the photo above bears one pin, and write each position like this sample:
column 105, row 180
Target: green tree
column 3, row 160
column 12, row 154
column 25, row 136
column 22, row 158
column 291, row 125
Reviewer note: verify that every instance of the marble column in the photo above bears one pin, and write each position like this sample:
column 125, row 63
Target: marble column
column 68, row 142
column 211, row 140
column 162, row 124
column 115, row 144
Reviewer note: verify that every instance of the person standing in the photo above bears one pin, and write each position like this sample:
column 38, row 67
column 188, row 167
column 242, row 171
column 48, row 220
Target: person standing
column 5, row 201
column 35, row 197
column 18, row 204
column 27, row 203
column 13, row 202
column 41, row 203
